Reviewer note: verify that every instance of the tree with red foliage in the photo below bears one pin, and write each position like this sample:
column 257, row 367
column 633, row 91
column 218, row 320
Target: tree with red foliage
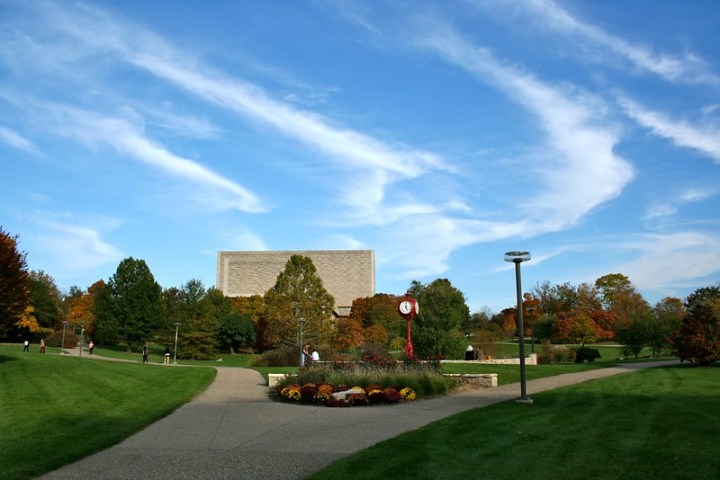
column 698, row 338
column 14, row 292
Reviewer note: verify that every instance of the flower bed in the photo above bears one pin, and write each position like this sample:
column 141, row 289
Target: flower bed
column 342, row 396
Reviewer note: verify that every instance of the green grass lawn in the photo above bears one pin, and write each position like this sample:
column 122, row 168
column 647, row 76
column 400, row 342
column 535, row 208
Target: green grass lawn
column 56, row 409
column 655, row 423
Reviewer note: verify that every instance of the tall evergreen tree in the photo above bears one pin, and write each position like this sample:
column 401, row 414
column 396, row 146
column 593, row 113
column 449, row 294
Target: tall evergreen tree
column 131, row 304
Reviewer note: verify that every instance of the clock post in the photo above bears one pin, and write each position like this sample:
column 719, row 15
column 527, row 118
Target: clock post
column 408, row 308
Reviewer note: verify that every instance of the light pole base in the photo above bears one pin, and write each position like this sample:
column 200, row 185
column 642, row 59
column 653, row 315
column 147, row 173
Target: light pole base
column 527, row 401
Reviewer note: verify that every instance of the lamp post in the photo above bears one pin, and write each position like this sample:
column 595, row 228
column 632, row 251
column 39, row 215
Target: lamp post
column 82, row 335
column 517, row 258
column 177, row 327
column 301, row 322
column 62, row 345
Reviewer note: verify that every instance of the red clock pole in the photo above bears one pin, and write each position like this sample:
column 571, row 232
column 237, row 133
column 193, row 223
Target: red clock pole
column 409, row 352
column 408, row 308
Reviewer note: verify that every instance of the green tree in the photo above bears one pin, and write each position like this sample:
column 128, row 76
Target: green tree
column 438, row 328
column 633, row 334
column 237, row 331
column 199, row 316
column 667, row 316
column 582, row 330
column 298, row 293
column 14, row 292
column 555, row 299
column 46, row 299
column 131, row 305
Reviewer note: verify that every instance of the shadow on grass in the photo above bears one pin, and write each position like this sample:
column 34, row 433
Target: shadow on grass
column 5, row 358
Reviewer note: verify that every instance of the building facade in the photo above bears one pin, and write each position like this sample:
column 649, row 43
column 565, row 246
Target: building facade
column 346, row 274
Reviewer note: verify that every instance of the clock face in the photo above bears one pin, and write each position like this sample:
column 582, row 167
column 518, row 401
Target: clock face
column 405, row 307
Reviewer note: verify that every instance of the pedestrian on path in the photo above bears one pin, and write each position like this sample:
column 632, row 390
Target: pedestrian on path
column 167, row 355
column 91, row 346
column 145, row 354
column 26, row 348
column 42, row 346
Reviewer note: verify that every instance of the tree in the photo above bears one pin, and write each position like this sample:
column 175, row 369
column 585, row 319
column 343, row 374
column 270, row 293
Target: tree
column 620, row 296
column 582, row 330
column 667, row 316
column 14, row 292
column 46, row 299
column 199, row 314
column 131, row 304
column 633, row 335
column 298, row 293
column 236, row 331
column 349, row 334
column 254, row 306
column 379, row 314
column 437, row 330
column 81, row 308
column 555, row 299
column 698, row 338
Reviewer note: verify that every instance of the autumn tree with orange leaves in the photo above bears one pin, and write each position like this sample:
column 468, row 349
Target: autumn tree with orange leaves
column 14, row 293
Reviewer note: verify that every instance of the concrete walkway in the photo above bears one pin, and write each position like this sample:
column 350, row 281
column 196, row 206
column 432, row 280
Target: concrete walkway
column 233, row 431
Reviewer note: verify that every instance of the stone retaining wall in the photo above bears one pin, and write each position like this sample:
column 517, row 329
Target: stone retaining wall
column 530, row 360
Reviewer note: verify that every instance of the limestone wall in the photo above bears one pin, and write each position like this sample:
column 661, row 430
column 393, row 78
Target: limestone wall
column 346, row 274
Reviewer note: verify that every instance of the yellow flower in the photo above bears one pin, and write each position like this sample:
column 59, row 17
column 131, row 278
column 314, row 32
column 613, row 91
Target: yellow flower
column 408, row 394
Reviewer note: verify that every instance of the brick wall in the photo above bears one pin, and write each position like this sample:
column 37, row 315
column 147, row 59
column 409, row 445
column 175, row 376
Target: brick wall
column 346, row 274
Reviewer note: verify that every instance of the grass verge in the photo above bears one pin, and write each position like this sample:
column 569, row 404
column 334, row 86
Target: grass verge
column 654, row 423
column 57, row 409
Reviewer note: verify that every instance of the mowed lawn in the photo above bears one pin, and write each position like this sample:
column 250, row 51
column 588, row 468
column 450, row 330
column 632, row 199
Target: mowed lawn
column 55, row 409
column 654, row 423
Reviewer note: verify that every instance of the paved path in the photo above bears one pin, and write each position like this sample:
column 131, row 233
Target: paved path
column 233, row 431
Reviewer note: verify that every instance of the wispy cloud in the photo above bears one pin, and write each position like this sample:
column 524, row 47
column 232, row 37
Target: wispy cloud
column 671, row 260
column 582, row 171
column 672, row 207
column 686, row 68
column 347, row 148
column 74, row 245
column 704, row 139
column 16, row 140
column 125, row 137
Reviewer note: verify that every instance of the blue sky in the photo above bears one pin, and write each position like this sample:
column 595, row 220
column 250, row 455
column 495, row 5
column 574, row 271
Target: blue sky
column 438, row 134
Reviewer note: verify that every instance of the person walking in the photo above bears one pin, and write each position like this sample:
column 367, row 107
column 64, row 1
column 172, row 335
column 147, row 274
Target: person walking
column 145, row 354
column 305, row 354
column 42, row 346
column 167, row 355
column 26, row 348
column 91, row 346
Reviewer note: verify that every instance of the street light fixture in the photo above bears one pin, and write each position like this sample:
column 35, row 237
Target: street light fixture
column 177, row 327
column 517, row 258
column 62, row 345
column 301, row 321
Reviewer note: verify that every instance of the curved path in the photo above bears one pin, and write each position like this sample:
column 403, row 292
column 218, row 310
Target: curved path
column 233, row 431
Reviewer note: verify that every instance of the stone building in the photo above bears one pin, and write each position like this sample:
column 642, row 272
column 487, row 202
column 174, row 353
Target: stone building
column 346, row 274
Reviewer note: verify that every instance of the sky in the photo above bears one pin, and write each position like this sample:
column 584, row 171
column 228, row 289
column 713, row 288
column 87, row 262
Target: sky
column 438, row 134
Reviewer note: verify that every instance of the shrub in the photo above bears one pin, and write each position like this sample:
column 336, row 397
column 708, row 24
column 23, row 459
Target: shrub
column 55, row 338
column 284, row 356
column 586, row 353
column 555, row 354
